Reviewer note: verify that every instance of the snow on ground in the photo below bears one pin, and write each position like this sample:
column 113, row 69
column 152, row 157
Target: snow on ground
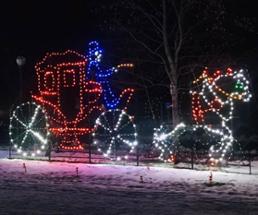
column 55, row 188
column 3, row 153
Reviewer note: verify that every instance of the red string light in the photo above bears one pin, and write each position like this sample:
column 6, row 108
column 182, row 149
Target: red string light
column 56, row 73
column 219, row 97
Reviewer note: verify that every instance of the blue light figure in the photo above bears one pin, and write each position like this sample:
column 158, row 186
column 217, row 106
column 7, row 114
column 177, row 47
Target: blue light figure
column 95, row 71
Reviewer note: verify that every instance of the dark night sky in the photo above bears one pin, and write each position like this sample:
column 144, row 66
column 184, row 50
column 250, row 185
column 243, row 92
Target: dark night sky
column 38, row 25
column 31, row 28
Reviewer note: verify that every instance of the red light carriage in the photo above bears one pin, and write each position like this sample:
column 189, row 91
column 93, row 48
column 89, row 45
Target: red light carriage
column 67, row 105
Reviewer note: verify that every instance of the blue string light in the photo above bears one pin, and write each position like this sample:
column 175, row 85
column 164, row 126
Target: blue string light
column 96, row 71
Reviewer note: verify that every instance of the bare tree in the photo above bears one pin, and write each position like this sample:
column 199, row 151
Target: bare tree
column 181, row 35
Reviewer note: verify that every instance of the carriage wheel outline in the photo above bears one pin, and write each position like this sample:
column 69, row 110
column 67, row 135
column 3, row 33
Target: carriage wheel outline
column 29, row 130
column 115, row 132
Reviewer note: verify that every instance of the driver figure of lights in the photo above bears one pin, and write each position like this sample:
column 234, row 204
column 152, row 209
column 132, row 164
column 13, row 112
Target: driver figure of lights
column 95, row 71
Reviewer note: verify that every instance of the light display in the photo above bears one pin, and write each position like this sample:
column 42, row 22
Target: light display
column 213, row 98
column 61, row 76
column 216, row 95
column 164, row 141
column 70, row 100
column 115, row 134
column 28, row 130
column 96, row 71
column 219, row 99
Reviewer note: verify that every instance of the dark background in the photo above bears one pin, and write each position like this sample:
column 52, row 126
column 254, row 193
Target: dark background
column 32, row 28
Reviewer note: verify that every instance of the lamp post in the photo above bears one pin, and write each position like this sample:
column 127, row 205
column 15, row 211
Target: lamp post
column 20, row 61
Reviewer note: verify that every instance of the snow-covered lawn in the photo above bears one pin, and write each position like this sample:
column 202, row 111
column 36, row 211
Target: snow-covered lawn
column 55, row 188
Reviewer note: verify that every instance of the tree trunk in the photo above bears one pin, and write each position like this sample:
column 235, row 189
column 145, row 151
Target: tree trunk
column 174, row 99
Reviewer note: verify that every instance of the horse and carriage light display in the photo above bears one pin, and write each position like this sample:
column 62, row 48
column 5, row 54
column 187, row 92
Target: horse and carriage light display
column 74, row 99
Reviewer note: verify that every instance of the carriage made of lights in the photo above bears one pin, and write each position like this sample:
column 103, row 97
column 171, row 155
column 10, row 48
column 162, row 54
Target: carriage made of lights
column 68, row 106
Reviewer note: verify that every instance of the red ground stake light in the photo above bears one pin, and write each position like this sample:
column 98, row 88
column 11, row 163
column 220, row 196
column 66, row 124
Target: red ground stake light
column 210, row 177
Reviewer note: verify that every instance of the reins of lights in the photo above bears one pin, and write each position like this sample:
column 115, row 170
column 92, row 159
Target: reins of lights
column 211, row 98
column 102, row 76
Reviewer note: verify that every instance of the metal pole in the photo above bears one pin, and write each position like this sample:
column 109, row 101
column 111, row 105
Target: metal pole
column 89, row 152
column 10, row 150
column 192, row 154
column 10, row 144
column 137, row 156
column 250, row 164
column 50, row 150
column 20, row 61
column 20, row 83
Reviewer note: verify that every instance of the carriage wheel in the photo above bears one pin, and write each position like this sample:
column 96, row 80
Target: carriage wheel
column 115, row 134
column 28, row 130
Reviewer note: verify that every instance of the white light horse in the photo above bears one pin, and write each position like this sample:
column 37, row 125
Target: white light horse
column 215, row 95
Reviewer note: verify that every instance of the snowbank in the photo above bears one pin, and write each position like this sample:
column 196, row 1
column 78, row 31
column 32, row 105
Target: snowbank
column 55, row 188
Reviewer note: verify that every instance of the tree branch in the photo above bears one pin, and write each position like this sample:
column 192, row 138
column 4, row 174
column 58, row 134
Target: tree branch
column 178, row 44
column 172, row 72
column 153, row 20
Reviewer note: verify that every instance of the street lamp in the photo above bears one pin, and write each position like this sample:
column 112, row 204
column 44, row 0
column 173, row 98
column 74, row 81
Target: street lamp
column 20, row 61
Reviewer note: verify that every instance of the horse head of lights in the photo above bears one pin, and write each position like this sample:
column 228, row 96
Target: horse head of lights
column 218, row 91
column 214, row 93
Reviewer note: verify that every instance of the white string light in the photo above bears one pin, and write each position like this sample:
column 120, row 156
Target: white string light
column 113, row 129
column 211, row 98
column 29, row 120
